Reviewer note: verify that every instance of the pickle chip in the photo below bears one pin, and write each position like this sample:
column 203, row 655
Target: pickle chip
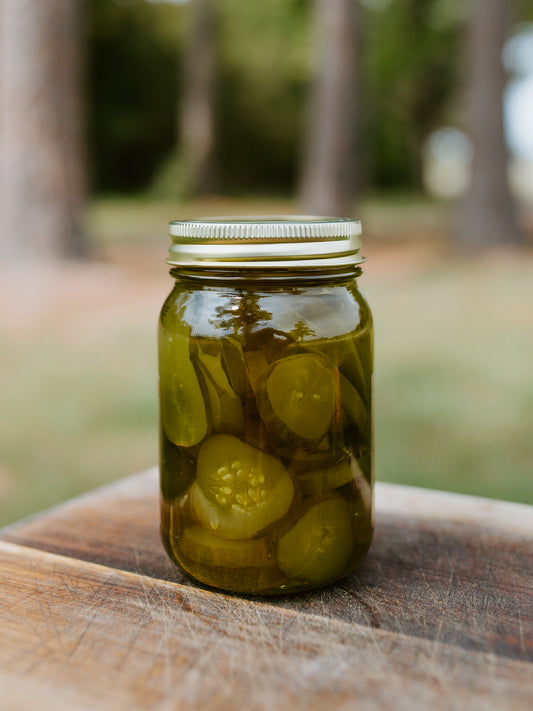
column 239, row 489
column 198, row 544
column 257, row 365
column 318, row 548
column 212, row 365
column 235, row 365
column 183, row 413
column 324, row 454
column 354, row 406
column 322, row 480
column 298, row 398
column 224, row 404
column 353, row 368
column 256, row 579
column 178, row 469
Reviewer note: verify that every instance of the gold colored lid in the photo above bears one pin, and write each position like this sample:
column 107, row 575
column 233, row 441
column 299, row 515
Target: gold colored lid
column 296, row 241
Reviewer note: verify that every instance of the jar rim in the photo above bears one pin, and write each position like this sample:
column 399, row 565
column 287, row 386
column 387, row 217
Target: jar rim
column 296, row 241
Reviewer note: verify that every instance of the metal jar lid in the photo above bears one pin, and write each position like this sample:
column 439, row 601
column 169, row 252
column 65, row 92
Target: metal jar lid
column 265, row 242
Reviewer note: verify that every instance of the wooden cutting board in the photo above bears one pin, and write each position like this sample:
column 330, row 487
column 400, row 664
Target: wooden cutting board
column 440, row 615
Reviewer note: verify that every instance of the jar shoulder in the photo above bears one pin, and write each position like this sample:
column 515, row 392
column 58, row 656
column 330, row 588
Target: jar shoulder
column 321, row 311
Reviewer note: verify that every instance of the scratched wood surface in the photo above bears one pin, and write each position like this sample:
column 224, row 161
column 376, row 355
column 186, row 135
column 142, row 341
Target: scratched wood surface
column 441, row 613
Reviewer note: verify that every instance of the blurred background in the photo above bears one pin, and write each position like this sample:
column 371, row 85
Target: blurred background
column 119, row 115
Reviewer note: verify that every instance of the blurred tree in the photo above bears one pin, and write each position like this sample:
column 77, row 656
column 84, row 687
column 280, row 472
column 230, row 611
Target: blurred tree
column 42, row 162
column 262, row 77
column 328, row 177
column 197, row 119
column 409, row 74
column 408, row 65
column 134, row 51
column 488, row 215
column 137, row 54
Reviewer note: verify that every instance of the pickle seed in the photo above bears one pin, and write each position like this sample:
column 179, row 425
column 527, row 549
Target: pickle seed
column 222, row 470
column 228, row 477
column 236, row 464
column 324, row 537
column 226, row 490
column 221, row 499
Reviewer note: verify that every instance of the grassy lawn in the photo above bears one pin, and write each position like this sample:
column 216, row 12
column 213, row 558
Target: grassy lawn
column 454, row 345
column 454, row 387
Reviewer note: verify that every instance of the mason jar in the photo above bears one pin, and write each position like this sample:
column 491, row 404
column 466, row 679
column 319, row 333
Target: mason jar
column 265, row 395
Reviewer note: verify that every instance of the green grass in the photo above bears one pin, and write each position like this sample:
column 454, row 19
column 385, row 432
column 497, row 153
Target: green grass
column 454, row 345
column 74, row 416
column 454, row 386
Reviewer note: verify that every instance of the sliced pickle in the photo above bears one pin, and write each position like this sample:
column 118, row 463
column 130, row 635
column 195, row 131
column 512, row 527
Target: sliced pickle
column 320, row 456
column 344, row 351
column 352, row 367
column 336, row 349
column 258, row 579
column 322, row 480
column 354, row 406
column 239, row 490
column 298, row 398
column 213, row 400
column 225, row 406
column 361, row 508
column 201, row 546
column 201, row 344
column 183, row 413
column 232, row 416
column 212, row 365
column 178, row 469
column 318, row 548
column 235, row 365
column 257, row 365
column 366, row 464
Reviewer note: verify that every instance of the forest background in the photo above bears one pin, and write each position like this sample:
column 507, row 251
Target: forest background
column 449, row 263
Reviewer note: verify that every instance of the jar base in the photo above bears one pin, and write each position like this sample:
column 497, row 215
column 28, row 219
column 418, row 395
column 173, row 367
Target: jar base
column 267, row 580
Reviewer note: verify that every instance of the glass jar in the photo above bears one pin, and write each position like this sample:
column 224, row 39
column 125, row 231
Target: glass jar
column 265, row 392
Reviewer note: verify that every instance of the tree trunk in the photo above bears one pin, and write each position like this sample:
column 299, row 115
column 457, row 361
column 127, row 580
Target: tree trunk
column 42, row 167
column 488, row 215
column 328, row 176
column 197, row 113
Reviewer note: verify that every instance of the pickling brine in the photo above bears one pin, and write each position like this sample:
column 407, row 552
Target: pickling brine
column 265, row 377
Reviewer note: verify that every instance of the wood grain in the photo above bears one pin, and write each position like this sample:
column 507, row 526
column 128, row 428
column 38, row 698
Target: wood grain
column 78, row 635
column 444, row 568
